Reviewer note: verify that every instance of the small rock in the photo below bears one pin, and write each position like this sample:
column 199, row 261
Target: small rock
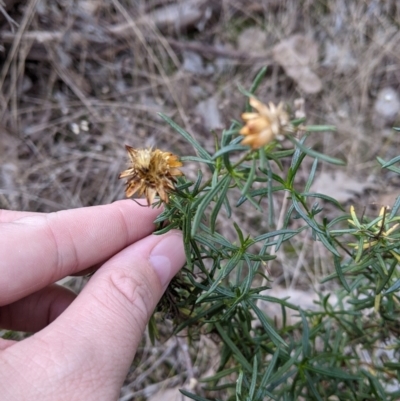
column 209, row 113
column 298, row 55
column 387, row 105
column 223, row 64
column 181, row 15
column 8, row 176
column 197, row 92
column 169, row 394
column 339, row 57
column 25, row 85
column 192, row 62
column 89, row 7
column 253, row 41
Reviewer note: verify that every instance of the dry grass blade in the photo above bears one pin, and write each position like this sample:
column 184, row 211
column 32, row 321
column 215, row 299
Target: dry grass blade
column 13, row 24
column 28, row 16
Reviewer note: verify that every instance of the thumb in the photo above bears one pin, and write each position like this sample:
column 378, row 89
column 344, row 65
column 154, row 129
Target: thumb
column 120, row 298
column 98, row 334
column 122, row 294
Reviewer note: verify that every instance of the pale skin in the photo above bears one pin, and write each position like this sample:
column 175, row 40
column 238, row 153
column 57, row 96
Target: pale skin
column 83, row 345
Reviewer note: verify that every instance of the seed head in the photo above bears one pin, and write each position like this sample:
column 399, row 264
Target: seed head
column 264, row 125
column 151, row 172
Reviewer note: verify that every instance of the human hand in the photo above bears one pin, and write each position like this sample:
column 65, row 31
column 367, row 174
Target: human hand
column 84, row 344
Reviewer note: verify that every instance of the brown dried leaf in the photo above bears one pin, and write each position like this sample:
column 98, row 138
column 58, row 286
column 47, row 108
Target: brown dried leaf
column 340, row 186
column 181, row 15
column 169, row 394
column 298, row 55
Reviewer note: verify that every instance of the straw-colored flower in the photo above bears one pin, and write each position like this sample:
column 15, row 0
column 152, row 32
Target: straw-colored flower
column 264, row 125
column 151, row 172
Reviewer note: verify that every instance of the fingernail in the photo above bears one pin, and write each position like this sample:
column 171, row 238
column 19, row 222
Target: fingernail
column 168, row 256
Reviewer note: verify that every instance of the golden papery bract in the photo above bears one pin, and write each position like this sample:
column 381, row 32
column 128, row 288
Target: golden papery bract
column 151, row 172
column 264, row 125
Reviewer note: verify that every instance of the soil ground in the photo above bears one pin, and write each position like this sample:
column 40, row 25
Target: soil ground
column 79, row 79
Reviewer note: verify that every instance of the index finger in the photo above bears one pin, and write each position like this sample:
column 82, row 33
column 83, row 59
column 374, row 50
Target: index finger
column 38, row 250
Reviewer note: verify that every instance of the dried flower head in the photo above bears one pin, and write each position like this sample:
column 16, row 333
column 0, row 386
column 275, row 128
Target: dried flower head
column 265, row 125
column 151, row 172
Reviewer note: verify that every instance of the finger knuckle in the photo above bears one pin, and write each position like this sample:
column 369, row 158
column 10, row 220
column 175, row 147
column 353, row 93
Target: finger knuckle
column 133, row 292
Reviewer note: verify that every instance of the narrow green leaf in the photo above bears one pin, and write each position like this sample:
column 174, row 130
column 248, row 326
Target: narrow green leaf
column 229, row 149
column 276, row 233
column 304, row 215
column 205, row 201
column 193, row 396
column 338, row 268
column 219, row 375
column 297, row 153
column 391, row 168
column 227, row 134
column 311, row 387
column 275, row 300
column 360, row 250
column 279, row 154
column 239, row 384
column 395, row 208
column 271, row 208
column 215, row 309
column 290, row 363
column 186, row 236
column 319, row 128
column 315, row 154
column 296, row 122
column 201, row 151
column 377, row 388
column 392, row 365
column 232, row 263
column 332, row 372
column 215, row 238
column 221, row 199
column 153, row 330
column 268, row 373
column 294, row 168
column 227, row 207
column 285, row 224
column 197, row 159
column 305, row 339
column 387, row 277
column 273, row 335
column 249, row 198
column 324, row 197
column 182, row 186
column 167, row 228
column 198, row 182
column 254, row 375
column 250, row 178
column 391, row 162
column 393, row 288
column 239, row 233
column 257, row 80
column 235, row 350
column 262, row 192
column 336, row 221
column 245, row 92
column 262, row 158
column 327, row 244
column 311, row 176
